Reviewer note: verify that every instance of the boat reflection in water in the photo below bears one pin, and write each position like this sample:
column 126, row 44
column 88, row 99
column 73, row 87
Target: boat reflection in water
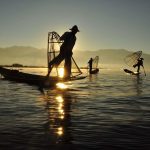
column 58, row 107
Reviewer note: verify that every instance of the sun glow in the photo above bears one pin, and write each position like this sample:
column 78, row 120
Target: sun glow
column 61, row 72
column 61, row 85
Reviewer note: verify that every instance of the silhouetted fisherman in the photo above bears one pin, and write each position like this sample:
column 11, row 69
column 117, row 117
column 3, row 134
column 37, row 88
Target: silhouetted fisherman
column 90, row 62
column 69, row 39
column 139, row 64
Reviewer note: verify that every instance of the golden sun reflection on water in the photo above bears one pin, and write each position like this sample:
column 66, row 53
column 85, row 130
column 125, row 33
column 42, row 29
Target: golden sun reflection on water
column 61, row 85
column 60, row 107
column 60, row 131
column 59, row 99
column 61, row 113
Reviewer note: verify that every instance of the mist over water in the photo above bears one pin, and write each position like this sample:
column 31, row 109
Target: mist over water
column 109, row 110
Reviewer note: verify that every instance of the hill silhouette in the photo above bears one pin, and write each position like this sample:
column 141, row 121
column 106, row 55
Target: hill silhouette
column 23, row 55
column 38, row 57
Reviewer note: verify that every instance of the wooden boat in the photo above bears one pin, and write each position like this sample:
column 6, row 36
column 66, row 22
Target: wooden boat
column 44, row 81
column 131, row 72
column 33, row 79
column 94, row 71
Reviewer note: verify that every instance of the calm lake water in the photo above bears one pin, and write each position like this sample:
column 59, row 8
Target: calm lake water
column 110, row 110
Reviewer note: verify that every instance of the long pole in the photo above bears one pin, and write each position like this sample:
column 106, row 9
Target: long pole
column 144, row 70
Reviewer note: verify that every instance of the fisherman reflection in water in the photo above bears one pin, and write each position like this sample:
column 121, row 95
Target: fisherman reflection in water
column 66, row 48
column 139, row 64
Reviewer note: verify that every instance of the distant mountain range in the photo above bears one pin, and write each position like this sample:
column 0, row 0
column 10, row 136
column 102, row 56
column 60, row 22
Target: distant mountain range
column 38, row 57
column 23, row 55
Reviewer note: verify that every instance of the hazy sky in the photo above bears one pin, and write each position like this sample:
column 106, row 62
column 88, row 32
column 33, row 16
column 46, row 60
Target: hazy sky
column 103, row 24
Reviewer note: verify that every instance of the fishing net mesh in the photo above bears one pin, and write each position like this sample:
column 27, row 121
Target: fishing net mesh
column 95, row 62
column 131, row 59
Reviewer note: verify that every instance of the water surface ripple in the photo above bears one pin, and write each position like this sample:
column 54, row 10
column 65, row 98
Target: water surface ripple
column 110, row 110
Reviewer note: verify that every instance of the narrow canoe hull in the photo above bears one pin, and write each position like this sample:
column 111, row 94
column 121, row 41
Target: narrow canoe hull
column 94, row 71
column 33, row 79
column 131, row 72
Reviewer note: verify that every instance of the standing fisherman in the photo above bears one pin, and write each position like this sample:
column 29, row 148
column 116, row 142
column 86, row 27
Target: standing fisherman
column 90, row 62
column 66, row 48
column 139, row 64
